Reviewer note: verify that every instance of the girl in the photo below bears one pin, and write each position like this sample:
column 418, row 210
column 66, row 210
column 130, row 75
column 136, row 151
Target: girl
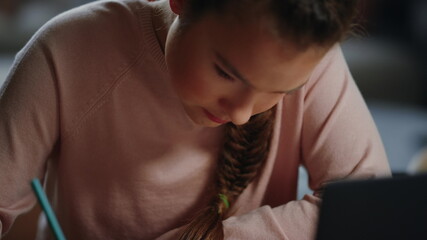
column 184, row 119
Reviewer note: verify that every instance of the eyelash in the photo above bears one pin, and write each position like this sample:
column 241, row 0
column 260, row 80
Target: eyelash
column 222, row 73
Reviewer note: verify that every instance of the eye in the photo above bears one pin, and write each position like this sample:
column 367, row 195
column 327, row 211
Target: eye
column 222, row 73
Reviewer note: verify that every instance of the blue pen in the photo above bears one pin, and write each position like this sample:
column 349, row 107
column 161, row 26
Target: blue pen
column 47, row 209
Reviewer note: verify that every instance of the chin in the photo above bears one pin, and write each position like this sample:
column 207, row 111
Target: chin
column 214, row 125
column 207, row 123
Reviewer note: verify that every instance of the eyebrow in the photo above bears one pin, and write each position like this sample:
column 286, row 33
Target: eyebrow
column 238, row 75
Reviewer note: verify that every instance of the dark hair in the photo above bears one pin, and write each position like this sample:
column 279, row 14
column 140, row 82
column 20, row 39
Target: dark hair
column 306, row 22
column 246, row 147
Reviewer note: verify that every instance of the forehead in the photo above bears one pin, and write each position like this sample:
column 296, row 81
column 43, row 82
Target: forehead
column 267, row 61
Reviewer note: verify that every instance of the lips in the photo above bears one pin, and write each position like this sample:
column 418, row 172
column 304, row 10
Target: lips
column 213, row 117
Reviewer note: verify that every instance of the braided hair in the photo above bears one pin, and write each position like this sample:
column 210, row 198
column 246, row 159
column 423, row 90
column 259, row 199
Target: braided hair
column 244, row 152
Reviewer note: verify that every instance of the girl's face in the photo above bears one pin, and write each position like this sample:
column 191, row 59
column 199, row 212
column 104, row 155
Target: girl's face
column 224, row 71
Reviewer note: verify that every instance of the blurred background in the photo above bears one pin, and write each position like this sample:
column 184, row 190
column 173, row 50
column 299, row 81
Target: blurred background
column 388, row 61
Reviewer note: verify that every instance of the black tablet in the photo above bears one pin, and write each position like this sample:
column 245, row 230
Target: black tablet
column 376, row 209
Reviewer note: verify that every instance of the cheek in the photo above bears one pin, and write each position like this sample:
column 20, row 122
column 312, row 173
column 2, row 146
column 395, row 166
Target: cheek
column 190, row 73
column 184, row 78
column 190, row 89
column 191, row 84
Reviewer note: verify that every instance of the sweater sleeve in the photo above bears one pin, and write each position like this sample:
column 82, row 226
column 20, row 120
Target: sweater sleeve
column 28, row 127
column 338, row 140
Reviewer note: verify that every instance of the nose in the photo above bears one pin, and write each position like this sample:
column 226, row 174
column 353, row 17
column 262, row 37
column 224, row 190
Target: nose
column 239, row 107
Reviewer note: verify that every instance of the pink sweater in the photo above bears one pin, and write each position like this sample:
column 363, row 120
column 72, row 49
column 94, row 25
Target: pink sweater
column 89, row 109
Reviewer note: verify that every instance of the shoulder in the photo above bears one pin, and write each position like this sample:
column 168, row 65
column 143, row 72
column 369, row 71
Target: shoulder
column 100, row 24
column 331, row 69
column 330, row 88
column 89, row 50
column 108, row 14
